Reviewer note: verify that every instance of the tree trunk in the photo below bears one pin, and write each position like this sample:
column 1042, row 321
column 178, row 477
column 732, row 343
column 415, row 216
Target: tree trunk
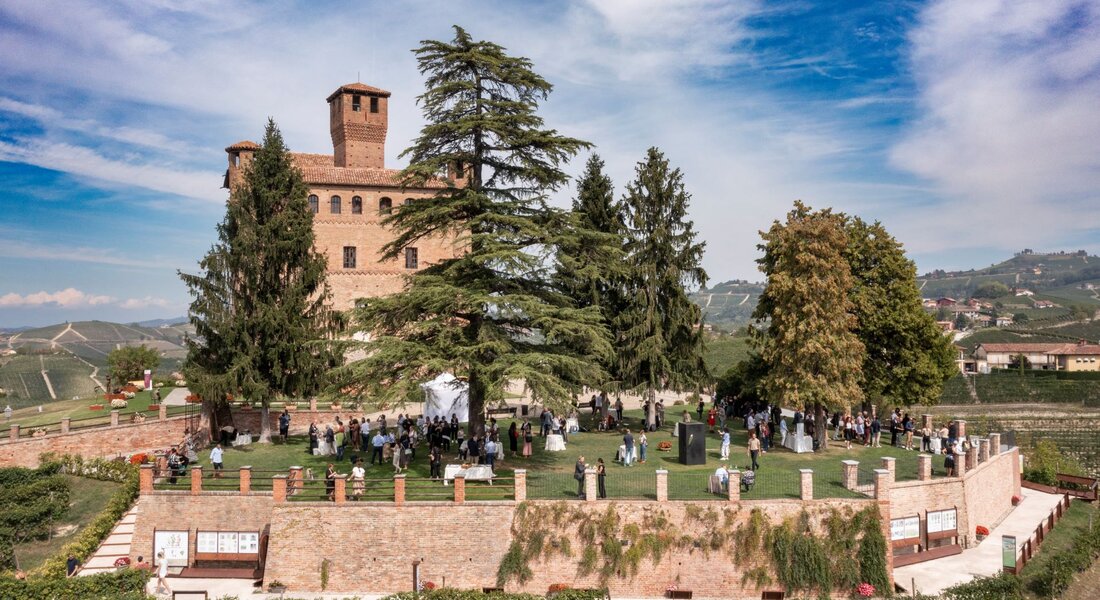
column 265, row 424
column 216, row 415
column 477, row 404
column 820, row 427
column 651, row 409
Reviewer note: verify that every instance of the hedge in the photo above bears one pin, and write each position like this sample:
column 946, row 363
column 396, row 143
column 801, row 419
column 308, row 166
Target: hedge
column 1001, row 587
column 1066, row 564
column 128, row 584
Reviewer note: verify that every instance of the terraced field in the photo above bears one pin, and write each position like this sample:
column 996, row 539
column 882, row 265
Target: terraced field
column 21, row 377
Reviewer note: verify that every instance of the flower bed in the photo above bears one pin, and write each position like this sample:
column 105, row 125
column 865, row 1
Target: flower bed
column 153, row 407
column 119, row 403
column 96, row 407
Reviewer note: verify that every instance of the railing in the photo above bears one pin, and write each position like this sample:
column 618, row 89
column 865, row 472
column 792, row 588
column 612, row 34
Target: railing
column 551, row 485
column 1032, row 544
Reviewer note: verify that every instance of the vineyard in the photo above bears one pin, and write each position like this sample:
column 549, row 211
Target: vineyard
column 1012, row 388
column 1076, row 437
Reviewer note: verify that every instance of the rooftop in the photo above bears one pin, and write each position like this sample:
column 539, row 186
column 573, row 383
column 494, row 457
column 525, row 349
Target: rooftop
column 358, row 88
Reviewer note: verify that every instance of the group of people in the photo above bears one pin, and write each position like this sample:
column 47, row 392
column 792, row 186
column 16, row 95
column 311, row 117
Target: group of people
column 607, row 414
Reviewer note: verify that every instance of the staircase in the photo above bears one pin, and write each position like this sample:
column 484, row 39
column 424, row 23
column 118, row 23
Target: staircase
column 116, row 545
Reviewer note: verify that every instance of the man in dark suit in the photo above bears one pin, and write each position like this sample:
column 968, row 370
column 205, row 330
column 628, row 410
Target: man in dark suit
column 578, row 474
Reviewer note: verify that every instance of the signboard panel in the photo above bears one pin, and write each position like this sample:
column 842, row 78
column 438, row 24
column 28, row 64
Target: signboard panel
column 248, row 542
column 906, row 528
column 206, row 542
column 174, row 545
column 942, row 520
column 1008, row 552
column 227, row 542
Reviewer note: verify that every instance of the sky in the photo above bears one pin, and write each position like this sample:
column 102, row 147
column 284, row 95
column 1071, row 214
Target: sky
column 970, row 128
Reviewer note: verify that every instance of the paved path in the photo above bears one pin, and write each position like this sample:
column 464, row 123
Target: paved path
column 176, row 397
column 116, row 545
column 934, row 576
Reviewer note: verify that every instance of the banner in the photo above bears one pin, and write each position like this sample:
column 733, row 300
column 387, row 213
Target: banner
column 148, row 380
column 1008, row 552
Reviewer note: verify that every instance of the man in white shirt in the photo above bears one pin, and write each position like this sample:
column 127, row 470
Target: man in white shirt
column 725, row 444
column 490, row 452
column 723, row 475
column 216, row 460
column 377, row 442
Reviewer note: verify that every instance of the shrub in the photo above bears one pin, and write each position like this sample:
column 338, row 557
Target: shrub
column 1001, row 587
column 981, row 530
column 128, row 584
column 1045, row 461
column 453, row 594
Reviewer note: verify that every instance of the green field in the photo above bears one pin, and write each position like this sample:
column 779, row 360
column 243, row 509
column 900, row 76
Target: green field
column 80, row 413
column 723, row 352
column 89, row 497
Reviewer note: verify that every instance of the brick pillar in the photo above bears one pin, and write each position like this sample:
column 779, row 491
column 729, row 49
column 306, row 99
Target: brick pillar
column 294, row 481
column 399, row 489
column 971, row 458
column 196, row 480
column 340, row 493
column 278, row 489
column 162, row 412
column 13, row 433
column 890, row 464
column 807, row 476
column 734, row 488
column 926, row 421
column 246, row 480
column 961, row 429
column 590, row 488
column 960, row 465
column 145, row 479
column 460, row 489
column 312, row 405
column 662, row 485
column 65, row 424
column 924, row 467
column 983, row 451
column 850, row 473
column 994, row 444
column 114, row 418
column 162, row 466
column 520, row 485
column 882, row 485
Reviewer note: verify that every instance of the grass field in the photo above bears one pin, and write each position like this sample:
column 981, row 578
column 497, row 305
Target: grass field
column 723, row 352
column 550, row 473
column 79, row 411
column 89, row 497
column 1077, row 519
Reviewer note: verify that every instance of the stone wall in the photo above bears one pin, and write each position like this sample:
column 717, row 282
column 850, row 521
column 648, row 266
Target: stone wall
column 210, row 511
column 107, row 441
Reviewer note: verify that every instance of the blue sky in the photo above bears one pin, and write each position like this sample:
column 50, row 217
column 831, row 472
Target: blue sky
column 969, row 127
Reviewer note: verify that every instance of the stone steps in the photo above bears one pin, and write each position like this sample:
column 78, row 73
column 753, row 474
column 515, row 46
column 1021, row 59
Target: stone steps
column 116, row 545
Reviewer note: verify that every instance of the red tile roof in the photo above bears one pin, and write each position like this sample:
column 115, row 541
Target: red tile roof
column 1077, row 350
column 1032, row 347
column 303, row 160
column 361, row 88
column 243, row 145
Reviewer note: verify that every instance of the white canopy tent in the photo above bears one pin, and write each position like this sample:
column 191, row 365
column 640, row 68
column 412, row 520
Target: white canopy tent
column 446, row 395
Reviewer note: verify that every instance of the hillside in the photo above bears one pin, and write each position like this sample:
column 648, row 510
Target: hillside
column 728, row 305
column 68, row 360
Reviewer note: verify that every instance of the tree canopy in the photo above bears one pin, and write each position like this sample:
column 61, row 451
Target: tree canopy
column 128, row 363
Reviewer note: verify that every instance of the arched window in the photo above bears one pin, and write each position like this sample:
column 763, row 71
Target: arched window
column 356, row 205
column 385, row 205
column 334, row 205
column 408, row 201
column 313, row 204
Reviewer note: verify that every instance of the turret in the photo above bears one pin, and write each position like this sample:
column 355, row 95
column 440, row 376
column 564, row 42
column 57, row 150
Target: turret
column 240, row 155
column 358, row 117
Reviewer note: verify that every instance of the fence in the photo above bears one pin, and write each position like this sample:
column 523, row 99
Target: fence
column 109, row 418
column 552, row 485
column 1031, row 545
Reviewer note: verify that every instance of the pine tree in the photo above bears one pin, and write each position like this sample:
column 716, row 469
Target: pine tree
column 491, row 315
column 805, row 317
column 907, row 356
column 662, row 344
column 260, row 306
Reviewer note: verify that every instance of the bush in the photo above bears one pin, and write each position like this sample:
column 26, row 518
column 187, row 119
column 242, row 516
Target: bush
column 453, row 594
column 1045, row 461
column 1001, row 587
column 1066, row 564
column 128, row 584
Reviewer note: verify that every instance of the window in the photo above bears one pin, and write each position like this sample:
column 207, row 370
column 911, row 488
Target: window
column 408, row 201
column 385, row 205
column 374, row 104
column 334, row 205
column 236, row 159
column 313, row 204
column 356, row 106
column 410, row 258
column 459, row 171
column 349, row 257
column 356, row 205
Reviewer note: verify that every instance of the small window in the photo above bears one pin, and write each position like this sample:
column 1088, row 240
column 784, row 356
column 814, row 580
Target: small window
column 356, row 103
column 314, row 206
column 334, row 205
column 408, row 201
column 374, row 104
column 459, row 171
column 410, row 258
column 349, row 257
column 385, row 206
column 356, row 205
column 236, row 159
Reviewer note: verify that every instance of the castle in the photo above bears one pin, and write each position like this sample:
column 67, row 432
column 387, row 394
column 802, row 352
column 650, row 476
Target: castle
column 350, row 192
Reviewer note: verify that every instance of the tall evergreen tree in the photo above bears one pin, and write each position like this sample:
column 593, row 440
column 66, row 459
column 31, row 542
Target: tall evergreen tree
column 662, row 344
column 260, row 304
column 907, row 356
column 589, row 263
column 806, row 317
column 493, row 314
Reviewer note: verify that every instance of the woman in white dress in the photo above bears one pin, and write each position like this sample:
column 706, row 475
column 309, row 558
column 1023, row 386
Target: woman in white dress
column 357, row 475
column 162, row 573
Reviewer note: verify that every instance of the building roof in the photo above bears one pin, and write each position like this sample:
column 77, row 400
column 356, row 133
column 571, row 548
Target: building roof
column 243, row 145
column 1026, row 348
column 360, row 88
column 1077, row 350
column 319, row 169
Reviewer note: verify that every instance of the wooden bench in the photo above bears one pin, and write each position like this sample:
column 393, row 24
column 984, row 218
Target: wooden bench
column 934, row 553
column 1089, row 484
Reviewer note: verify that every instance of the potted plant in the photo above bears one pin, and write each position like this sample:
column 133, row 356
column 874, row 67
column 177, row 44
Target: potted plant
column 558, row 587
column 1016, row 500
column 981, row 531
column 276, row 587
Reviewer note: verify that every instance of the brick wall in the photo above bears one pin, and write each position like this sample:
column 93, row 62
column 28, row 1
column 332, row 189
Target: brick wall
column 92, row 442
column 211, row 511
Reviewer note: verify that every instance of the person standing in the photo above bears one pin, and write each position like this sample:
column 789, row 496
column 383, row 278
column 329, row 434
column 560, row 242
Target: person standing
column 895, row 426
column 907, row 426
column 513, row 438
column 377, row 442
column 527, row 439
column 754, row 450
column 435, row 460
column 725, row 449
column 70, row 566
column 162, row 573
column 330, row 482
column 578, row 474
column 284, row 425
column 876, row 432
column 216, row 460
column 601, row 476
column 490, row 452
column 643, row 444
column 628, row 443
column 358, row 473
column 699, row 409
column 313, row 434
column 618, row 410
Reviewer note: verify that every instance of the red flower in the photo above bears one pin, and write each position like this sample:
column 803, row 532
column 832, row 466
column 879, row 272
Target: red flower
column 865, row 590
column 122, row 561
column 429, row 585
column 982, row 530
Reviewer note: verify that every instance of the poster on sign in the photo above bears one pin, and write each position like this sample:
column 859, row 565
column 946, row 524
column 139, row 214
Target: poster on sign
column 942, row 520
column 174, row 545
column 227, row 542
column 905, row 529
column 206, row 542
column 248, row 542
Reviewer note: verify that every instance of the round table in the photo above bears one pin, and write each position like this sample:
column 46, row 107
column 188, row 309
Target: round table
column 555, row 443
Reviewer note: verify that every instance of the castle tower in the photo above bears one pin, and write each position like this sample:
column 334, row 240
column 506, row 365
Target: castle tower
column 357, row 121
column 240, row 155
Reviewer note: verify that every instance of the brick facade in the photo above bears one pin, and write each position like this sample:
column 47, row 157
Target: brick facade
column 107, row 441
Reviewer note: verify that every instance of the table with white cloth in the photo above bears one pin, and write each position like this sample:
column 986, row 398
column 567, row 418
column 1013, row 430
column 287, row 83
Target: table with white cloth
column 243, row 439
column 797, row 441
column 555, row 443
column 324, row 449
column 471, row 473
column 936, row 444
column 572, row 425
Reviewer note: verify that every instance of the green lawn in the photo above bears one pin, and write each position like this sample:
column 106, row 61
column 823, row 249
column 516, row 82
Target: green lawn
column 1076, row 520
column 79, row 411
column 550, row 473
column 89, row 497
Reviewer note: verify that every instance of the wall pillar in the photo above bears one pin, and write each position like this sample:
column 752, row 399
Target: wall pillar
column 460, row 488
column 882, row 485
column 312, row 405
column 851, row 473
column 145, row 479
column 890, row 464
column 994, row 444
column 246, row 480
column 162, row 411
column 519, row 491
column 340, row 492
column 972, row 458
column 114, row 418
column 734, row 488
column 399, row 489
column 662, row 485
column 294, row 481
column 807, row 479
column 926, row 421
column 66, row 422
column 278, row 489
column 960, row 465
column 196, row 480
column 590, row 487
column 960, row 429
column 13, row 432
column 924, row 467
column 983, row 450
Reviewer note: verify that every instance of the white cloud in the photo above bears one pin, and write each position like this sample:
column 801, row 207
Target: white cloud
column 66, row 298
column 146, row 302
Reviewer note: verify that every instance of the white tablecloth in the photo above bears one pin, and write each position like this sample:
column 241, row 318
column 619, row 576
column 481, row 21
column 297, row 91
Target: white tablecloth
column 471, row 473
column 799, row 443
column 243, row 439
column 324, row 449
column 572, row 425
column 555, row 443
column 937, row 445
